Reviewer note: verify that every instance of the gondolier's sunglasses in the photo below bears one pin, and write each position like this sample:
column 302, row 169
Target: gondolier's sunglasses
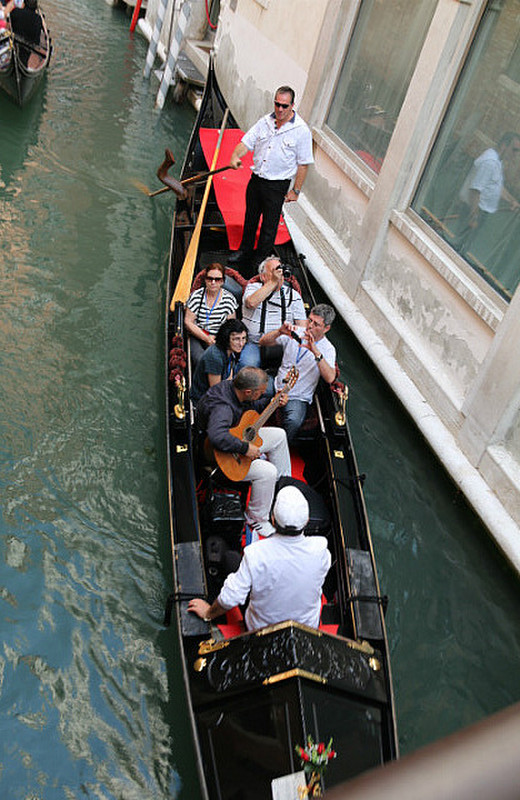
column 281, row 105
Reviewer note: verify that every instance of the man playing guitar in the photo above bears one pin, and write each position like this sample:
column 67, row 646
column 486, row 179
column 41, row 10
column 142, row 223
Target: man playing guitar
column 220, row 410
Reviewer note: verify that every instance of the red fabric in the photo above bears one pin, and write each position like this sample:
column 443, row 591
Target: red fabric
column 297, row 466
column 230, row 186
column 373, row 162
column 234, row 624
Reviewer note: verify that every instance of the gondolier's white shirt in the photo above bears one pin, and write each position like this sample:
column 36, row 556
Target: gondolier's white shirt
column 278, row 152
column 284, row 575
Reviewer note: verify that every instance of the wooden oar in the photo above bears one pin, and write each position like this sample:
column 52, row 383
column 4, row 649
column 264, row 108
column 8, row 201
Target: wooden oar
column 194, row 178
column 182, row 290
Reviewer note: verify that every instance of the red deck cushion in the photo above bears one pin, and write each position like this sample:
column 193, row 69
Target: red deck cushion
column 230, row 186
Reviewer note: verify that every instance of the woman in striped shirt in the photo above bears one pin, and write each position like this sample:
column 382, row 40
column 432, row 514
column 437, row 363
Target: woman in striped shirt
column 207, row 308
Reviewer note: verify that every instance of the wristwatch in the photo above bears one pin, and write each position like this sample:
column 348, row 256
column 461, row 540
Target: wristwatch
column 318, row 358
column 296, row 191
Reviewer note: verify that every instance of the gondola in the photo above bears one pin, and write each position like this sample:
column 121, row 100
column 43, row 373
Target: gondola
column 23, row 64
column 253, row 697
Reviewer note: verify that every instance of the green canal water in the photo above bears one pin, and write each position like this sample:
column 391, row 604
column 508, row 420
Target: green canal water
column 91, row 695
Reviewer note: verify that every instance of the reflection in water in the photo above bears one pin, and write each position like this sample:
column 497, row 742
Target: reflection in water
column 86, row 696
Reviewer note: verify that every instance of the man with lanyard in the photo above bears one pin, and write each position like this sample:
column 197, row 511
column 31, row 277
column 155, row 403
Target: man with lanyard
column 282, row 150
column 314, row 357
column 266, row 306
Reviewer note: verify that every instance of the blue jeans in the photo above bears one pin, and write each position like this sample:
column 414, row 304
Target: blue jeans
column 250, row 356
column 294, row 414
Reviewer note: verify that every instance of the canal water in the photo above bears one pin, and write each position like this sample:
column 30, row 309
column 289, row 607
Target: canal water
column 91, row 696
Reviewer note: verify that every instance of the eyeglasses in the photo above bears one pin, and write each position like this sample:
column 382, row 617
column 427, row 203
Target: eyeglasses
column 214, row 280
column 281, row 105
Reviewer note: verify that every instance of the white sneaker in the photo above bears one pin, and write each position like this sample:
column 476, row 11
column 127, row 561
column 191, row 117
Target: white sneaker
column 256, row 529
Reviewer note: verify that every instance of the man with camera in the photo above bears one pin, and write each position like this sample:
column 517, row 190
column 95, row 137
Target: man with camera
column 309, row 350
column 268, row 302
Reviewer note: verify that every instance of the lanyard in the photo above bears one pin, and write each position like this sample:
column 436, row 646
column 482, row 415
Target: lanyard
column 299, row 354
column 232, row 360
column 208, row 313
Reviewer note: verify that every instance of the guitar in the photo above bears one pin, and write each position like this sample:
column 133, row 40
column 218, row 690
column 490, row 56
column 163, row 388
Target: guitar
column 235, row 466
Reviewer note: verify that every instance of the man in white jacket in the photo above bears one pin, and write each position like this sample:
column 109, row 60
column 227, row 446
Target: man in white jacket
column 283, row 575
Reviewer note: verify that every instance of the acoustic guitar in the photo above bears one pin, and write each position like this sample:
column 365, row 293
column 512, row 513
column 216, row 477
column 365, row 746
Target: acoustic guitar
column 235, row 466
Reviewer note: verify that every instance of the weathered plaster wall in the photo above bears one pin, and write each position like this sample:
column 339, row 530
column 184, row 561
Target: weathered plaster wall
column 448, row 340
column 432, row 317
column 259, row 49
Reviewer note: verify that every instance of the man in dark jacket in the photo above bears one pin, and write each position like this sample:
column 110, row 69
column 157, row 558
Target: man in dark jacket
column 27, row 24
column 220, row 409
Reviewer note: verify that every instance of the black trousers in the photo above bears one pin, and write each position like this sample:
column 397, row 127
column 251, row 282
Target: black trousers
column 263, row 199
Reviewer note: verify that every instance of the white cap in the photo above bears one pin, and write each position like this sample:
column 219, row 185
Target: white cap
column 291, row 509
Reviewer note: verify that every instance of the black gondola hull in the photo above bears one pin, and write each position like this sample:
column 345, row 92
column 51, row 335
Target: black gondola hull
column 254, row 697
column 17, row 79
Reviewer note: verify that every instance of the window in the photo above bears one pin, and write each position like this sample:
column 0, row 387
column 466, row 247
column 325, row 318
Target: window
column 380, row 60
column 471, row 184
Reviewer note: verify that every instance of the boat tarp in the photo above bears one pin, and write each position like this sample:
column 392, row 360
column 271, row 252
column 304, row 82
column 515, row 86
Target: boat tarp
column 230, row 186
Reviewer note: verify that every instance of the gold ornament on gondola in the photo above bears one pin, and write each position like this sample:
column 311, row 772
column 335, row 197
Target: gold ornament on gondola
column 179, row 410
column 341, row 414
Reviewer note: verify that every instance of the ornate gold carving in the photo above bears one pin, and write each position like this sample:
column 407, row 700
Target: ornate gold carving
column 179, row 410
column 341, row 414
column 363, row 646
column 280, row 626
column 294, row 673
column 312, row 789
column 339, row 454
column 200, row 664
column 210, row 646
column 375, row 664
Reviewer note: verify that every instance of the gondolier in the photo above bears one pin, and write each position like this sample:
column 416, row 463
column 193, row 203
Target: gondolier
column 282, row 151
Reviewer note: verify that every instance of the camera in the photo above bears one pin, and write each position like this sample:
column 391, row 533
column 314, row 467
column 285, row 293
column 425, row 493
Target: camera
column 287, row 270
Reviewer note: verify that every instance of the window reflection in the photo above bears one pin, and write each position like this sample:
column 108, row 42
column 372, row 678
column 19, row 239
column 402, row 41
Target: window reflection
column 380, row 60
column 471, row 186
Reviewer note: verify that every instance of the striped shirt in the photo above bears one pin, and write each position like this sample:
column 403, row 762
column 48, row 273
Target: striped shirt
column 208, row 318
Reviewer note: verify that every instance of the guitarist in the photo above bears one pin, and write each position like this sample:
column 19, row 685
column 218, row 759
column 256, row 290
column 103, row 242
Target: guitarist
column 220, row 409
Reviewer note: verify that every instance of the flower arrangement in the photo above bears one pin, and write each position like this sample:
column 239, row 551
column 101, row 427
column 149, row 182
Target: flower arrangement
column 314, row 757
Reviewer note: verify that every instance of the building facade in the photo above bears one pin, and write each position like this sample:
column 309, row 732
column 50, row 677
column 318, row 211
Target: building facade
column 410, row 217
